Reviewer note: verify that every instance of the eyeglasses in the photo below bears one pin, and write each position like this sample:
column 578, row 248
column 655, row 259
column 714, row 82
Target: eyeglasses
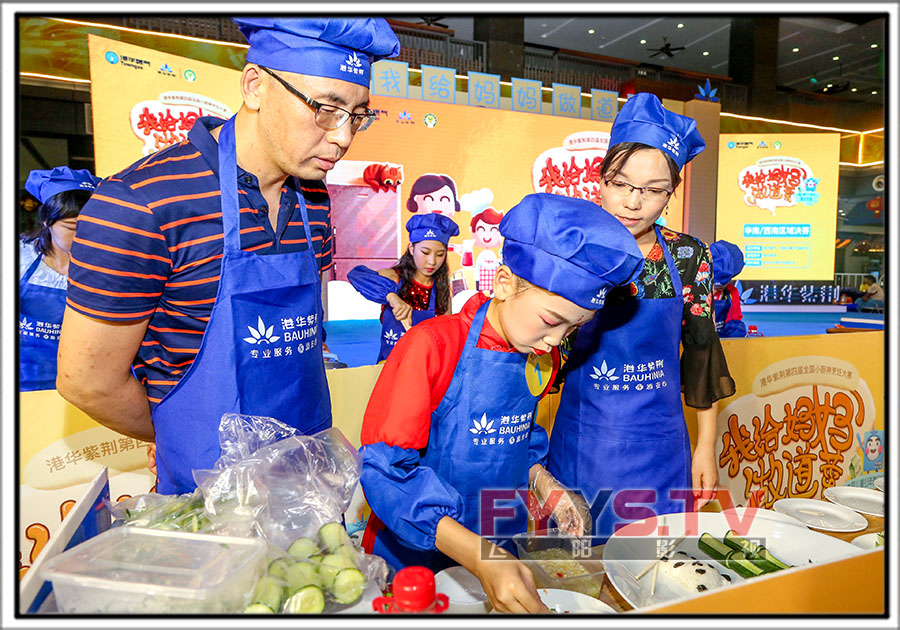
column 328, row 116
column 647, row 193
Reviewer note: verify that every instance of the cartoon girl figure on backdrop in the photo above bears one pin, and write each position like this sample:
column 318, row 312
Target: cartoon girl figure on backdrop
column 486, row 230
column 433, row 193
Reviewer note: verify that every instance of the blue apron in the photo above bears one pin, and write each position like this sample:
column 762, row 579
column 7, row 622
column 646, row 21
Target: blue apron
column 392, row 330
column 721, row 306
column 620, row 424
column 468, row 455
column 261, row 353
column 40, row 318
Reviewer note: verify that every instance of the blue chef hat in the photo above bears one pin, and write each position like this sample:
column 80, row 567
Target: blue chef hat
column 643, row 119
column 43, row 184
column 727, row 261
column 431, row 227
column 337, row 48
column 571, row 247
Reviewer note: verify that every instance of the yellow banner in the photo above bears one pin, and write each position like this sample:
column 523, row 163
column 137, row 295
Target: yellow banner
column 777, row 201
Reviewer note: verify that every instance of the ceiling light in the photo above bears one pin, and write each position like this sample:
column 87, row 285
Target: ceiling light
column 835, row 58
column 681, row 26
column 830, row 84
column 874, row 91
column 706, row 53
column 543, row 34
column 643, row 41
column 544, row 25
column 796, row 50
column 590, row 31
column 874, row 46
column 852, row 89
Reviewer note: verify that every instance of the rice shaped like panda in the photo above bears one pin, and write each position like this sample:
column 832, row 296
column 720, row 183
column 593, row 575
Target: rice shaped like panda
column 692, row 574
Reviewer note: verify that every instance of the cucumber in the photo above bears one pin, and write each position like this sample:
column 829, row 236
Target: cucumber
column 268, row 593
column 258, row 609
column 740, row 564
column 757, row 553
column 278, row 568
column 332, row 536
column 302, row 574
column 316, row 558
column 348, row 586
column 713, row 547
column 331, row 565
column 306, row 600
column 303, row 548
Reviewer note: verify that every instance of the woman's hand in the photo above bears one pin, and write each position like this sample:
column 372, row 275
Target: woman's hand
column 401, row 309
column 704, row 475
column 508, row 583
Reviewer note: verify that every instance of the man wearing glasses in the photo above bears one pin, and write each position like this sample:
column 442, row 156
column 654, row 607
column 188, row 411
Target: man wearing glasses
column 196, row 278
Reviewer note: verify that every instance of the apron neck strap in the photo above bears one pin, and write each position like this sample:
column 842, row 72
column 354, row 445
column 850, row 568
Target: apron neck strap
column 477, row 324
column 31, row 269
column 231, row 209
column 673, row 271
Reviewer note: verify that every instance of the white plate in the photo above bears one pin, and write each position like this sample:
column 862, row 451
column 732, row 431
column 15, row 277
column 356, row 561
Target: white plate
column 863, row 500
column 633, row 547
column 866, row 541
column 879, row 484
column 564, row 602
column 770, row 515
column 822, row 514
column 463, row 589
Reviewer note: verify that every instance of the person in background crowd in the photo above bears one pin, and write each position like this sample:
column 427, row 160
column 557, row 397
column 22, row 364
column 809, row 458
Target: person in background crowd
column 201, row 265
column 727, row 262
column 873, row 298
column 451, row 415
column 44, row 270
column 417, row 287
column 619, row 435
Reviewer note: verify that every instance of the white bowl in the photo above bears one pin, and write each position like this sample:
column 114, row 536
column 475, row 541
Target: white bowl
column 463, row 590
column 569, row 602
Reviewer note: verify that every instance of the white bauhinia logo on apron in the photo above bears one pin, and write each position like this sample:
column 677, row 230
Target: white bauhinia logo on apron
column 261, row 334
column 600, row 298
column 483, row 426
column 604, row 372
column 391, row 337
column 430, row 234
column 353, row 64
column 25, row 324
column 672, row 145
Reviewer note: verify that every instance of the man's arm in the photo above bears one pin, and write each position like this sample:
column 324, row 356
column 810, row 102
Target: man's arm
column 94, row 372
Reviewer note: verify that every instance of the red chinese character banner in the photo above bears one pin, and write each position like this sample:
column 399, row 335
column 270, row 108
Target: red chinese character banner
column 777, row 201
column 144, row 100
column 801, row 422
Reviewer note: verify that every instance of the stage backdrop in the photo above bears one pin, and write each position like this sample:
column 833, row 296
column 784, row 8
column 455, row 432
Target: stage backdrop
column 473, row 163
column 777, row 200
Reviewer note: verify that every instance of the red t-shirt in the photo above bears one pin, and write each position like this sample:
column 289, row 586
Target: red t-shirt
column 418, row 372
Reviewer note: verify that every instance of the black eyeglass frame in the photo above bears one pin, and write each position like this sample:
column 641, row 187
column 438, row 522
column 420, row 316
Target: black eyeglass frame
column 316, row 106
column 632, row 188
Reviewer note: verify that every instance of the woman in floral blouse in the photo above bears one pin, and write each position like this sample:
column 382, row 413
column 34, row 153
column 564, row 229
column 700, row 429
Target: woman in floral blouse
column 620, row 435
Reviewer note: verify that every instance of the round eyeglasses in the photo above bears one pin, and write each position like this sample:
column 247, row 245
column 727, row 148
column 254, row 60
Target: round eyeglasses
column 648, row 193
column 328, row 117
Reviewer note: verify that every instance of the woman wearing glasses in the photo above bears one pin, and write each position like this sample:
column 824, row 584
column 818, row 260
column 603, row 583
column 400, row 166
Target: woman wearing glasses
column 620, row 435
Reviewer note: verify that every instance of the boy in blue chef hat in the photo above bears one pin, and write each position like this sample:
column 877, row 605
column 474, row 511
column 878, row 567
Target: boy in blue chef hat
column 449, row 433
column 240, row 230
column 417, row 287
column 727, row 262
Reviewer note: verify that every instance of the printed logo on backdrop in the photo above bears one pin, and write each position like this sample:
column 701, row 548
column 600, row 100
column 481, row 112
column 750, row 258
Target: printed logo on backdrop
column 806, row 426
column 640, row 377
column 509, row 430
column 572, row 170
column 295, row 335
column 778, row 182
column 168, row 119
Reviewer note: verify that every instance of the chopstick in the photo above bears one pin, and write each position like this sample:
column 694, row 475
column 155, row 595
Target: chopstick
column 669, row 550
column 653, row 583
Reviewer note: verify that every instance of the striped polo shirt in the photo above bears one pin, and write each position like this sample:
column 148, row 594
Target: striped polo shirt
column 149, row 244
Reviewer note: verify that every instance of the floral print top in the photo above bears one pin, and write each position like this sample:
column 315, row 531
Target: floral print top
column 704, row 372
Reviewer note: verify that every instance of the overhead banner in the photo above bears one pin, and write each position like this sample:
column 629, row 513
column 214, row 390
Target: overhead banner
column 777, row 201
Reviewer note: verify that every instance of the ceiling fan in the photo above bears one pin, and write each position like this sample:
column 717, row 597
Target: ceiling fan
column 433, row 21
column 666, row 49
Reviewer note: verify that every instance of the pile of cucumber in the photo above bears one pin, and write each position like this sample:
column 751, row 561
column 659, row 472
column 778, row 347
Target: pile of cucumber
column 742, row 556
column 184, row 512
column 298, row 582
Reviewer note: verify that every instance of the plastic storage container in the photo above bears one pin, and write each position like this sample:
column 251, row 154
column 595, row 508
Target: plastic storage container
column 135, row 570
column 559, row 560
